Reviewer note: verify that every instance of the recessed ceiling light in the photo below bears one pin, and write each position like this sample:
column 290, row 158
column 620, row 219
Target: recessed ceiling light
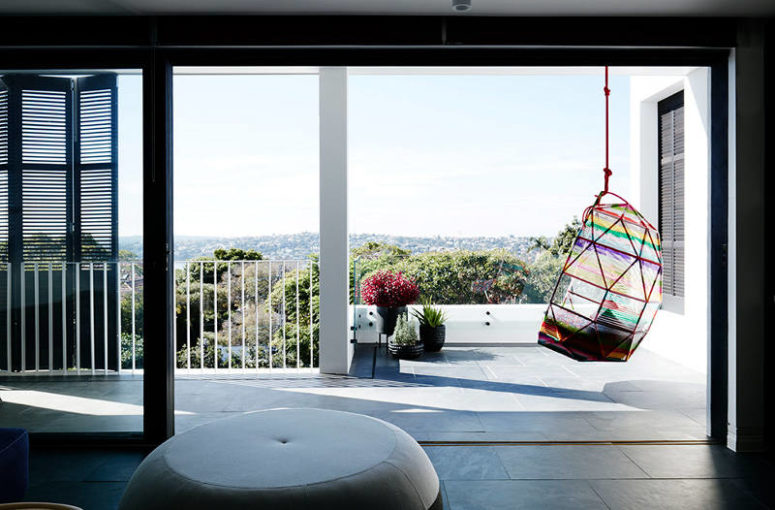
column 461, row 5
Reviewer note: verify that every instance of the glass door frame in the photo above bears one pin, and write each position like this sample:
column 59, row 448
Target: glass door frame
column 155, row 52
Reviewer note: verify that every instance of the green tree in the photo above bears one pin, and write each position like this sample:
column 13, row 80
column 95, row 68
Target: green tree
column 563, row 241
column 455, row 277
column 237, row 254
column 127, row 256
column 294, row 324
column 242, row 281
column 374, row 249
column 542, row 278
column 546, row 269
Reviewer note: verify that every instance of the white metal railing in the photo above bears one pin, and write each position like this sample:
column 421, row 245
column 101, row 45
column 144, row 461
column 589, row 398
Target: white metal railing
column 58, row 317
column 264, row 292
column 85, row 318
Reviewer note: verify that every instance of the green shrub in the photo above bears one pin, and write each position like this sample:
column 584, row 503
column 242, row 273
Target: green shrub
column 430, row 316
column 406, row 331
column 126, row 351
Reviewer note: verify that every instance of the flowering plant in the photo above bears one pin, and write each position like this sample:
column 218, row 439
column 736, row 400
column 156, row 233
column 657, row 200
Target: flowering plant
column 384, row 288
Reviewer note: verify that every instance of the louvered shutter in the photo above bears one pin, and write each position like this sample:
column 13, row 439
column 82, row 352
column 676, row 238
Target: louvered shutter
column 40, row 167
column 95, row 206
column 58, row 203
column 96, row 165
column 671, row 192
column 4, row 273
column 39, row 175
column 3, row 173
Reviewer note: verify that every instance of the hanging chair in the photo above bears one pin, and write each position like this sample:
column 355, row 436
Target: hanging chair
column 610, row 288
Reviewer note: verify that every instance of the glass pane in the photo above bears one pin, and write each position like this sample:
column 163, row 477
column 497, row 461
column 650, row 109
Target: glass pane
column 246, row 233
column 70, row 263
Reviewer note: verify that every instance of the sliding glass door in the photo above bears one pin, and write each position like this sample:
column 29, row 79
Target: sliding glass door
column 71, row 275
column 246, row 235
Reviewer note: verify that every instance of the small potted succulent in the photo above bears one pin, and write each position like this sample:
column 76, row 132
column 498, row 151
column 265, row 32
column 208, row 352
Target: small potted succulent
column 405, row 344
column 390, row 292
column 432, row 329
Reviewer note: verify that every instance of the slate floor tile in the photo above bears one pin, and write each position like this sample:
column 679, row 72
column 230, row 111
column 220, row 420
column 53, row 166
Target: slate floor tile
column 117, row 467
column 63, row 465
column 674, row 494
column 86, row 495
column 466, row 462
column 521, row 494
column 535, row 422
column 567, row 462
column 444, row 421
column 695, row 461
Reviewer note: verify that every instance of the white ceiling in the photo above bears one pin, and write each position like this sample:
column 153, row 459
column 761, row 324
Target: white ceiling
column 398, row 7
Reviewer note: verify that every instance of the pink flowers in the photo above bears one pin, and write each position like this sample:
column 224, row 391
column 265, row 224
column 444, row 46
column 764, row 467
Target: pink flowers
column 384, row 288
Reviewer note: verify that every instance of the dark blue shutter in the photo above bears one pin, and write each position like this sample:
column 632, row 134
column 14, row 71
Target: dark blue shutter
column 95, row 205
column 3, row 175
column 58, row 203
column 96, row 168
column 4, row 274
column 39, row 175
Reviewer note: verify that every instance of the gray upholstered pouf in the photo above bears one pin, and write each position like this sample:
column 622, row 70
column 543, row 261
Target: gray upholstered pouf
column 287, row 458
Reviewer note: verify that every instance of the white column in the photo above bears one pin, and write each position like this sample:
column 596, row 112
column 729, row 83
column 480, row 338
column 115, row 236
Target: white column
column 335, row 348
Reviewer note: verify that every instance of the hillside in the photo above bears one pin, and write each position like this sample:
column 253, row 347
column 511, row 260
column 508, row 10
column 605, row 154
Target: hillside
column 298, row 246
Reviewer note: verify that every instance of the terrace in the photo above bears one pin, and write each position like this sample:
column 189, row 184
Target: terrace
column 491, row 382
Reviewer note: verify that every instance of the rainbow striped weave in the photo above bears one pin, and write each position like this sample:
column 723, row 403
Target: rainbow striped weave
column 610, row 287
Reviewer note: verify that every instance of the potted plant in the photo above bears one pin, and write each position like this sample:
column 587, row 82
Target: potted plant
column 390, row 292
column 432, row 329
column 405, row 344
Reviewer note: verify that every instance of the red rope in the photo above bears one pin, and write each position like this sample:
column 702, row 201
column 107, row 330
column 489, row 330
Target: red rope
column 606, row 171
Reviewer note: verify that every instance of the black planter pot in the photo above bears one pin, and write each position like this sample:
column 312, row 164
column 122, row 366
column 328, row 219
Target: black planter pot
column 386, row 318
column 406, row 351
column 433, row 338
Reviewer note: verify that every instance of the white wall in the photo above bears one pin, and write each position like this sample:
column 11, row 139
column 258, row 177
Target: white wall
column 680, row 330
column 472, row 324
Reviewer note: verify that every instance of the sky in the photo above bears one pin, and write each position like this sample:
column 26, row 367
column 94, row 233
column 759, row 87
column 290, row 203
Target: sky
column 428, row 155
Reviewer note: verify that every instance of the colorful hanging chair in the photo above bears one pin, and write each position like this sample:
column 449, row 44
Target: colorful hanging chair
column 610, row 288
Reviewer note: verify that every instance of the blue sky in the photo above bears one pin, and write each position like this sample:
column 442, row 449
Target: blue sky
column 428, row 155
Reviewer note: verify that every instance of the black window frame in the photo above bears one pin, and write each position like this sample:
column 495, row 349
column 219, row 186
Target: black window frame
column 156, row 44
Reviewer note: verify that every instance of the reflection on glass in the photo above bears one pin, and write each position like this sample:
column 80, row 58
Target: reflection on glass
column 68, row 291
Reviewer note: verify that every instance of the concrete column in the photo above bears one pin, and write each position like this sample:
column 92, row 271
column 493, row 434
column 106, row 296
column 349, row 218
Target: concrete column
column 335, row 348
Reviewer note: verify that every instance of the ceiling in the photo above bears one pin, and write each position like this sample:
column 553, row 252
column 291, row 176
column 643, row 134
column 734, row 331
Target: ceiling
column 397, row 7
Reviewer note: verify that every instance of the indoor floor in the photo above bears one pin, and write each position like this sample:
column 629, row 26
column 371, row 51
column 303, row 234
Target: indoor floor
column 677, row 477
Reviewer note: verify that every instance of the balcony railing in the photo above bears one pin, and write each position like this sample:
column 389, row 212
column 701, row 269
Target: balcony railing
column 70, row 318
column 260, row 315
column 59, row 317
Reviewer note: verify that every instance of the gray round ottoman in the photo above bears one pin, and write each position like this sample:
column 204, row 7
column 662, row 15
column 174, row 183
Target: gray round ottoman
column 287, row 458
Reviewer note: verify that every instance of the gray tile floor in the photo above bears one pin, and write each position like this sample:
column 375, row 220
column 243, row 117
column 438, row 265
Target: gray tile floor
column 460, row 394
column 493, row 477
column 516, row 393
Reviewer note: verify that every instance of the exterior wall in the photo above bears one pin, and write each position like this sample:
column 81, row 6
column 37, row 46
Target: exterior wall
column 468, row 324
column 680, row 330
